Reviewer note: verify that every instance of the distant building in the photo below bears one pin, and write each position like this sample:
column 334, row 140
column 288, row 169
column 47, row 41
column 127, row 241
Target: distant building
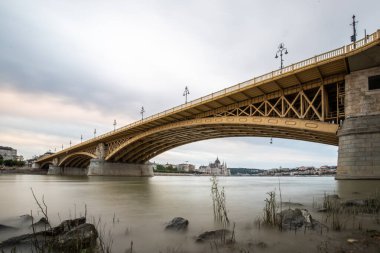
column 186, row 167
column 9, row 153
column 215, row 168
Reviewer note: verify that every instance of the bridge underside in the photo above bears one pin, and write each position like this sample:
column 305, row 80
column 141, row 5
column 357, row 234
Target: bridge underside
column 152, row 143
column 77, row 160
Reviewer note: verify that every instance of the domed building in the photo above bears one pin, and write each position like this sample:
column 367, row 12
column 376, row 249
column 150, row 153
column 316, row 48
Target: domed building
column 215, row 168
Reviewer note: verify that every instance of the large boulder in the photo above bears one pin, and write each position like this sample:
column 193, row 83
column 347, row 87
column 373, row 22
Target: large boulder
column 178, row 223
column 67, row 225
column 69, row 236
column 80, row 237
column 6, row 228
column 295, row 218
column 213, row 235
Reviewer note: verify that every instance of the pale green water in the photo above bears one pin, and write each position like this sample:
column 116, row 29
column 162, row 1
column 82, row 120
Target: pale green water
column 142, row 206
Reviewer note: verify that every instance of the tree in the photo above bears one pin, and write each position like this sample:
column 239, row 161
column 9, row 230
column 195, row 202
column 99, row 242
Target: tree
column 9, row 163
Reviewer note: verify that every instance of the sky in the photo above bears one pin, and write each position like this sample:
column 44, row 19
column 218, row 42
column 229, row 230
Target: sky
column 69, row 67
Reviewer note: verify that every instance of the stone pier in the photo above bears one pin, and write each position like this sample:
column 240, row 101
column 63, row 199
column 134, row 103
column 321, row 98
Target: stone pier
column 67, row 171
column 99, row 167
column 359, row 137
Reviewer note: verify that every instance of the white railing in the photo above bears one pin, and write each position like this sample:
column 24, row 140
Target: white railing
column 254, row 81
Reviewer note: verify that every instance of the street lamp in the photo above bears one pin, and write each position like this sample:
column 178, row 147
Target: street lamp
column 185, row 93
column 281, row 48
column 142, row 112
column 353, row 37
column 114, row 124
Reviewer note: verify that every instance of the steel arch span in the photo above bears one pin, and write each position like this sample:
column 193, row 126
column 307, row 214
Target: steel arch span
column 77, row 160
column 142, row 147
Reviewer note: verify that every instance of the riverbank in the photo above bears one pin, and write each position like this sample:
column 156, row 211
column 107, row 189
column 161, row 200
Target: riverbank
column 22, row 170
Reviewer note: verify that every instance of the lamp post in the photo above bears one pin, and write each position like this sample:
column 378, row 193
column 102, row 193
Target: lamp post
column 142, row 112
column 185, row 93
column 114, row 124
column 281, row 48
column 353, row 37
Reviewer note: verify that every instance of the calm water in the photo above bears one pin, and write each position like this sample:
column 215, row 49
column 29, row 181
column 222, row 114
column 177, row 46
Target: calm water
column 142, row 206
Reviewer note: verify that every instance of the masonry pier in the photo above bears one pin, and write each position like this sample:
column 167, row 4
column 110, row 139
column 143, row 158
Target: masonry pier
column 99, row 167
column 359, row 137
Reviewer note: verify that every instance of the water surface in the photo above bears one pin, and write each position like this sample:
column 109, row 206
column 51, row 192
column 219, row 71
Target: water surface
column 136, row 209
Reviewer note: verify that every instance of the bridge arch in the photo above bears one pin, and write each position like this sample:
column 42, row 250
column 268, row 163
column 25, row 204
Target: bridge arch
column 151, row 143
column 77, row 160
column 45, row 165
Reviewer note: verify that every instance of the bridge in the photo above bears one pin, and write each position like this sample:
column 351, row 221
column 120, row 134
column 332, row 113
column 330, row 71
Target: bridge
column 331, row 98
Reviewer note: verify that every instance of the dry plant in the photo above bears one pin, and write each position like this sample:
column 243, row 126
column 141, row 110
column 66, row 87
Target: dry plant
column 219, row 204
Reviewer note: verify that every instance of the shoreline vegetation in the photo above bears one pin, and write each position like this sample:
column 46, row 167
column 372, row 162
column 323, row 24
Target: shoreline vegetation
column 335, row 224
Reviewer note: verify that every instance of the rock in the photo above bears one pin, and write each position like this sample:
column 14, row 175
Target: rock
column 67, row 225
column 80, row 237
column 43, row 222
column 212, row 235
column 17, row 240
column 26, row 218
column 6, row 228
column 295, row 218
column 51, row 237
column 291, row 218
column 355, row 202
column 178, row 223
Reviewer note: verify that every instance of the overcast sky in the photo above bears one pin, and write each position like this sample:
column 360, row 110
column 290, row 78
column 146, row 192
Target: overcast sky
column 67, row 67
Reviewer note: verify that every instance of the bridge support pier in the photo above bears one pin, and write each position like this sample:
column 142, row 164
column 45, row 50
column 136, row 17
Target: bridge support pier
column 67, row 171
column 99, row 167
column 359, row 137
column 359, row 148
column 54, row 170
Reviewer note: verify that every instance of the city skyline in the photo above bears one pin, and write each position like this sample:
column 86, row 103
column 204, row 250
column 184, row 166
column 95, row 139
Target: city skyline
column 82, row 70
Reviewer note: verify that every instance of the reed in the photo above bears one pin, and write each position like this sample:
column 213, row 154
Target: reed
column 270, row 210
column 219, row 203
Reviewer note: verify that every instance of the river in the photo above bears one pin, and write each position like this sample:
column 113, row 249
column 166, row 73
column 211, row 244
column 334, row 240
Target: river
column 136, row 209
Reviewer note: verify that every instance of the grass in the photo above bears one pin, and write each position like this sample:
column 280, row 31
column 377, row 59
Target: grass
column 339, row 214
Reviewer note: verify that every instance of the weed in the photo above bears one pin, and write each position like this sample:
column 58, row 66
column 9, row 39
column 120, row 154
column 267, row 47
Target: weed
column 219, row 204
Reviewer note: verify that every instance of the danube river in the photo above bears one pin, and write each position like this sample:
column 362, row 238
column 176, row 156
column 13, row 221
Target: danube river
column 136, row 209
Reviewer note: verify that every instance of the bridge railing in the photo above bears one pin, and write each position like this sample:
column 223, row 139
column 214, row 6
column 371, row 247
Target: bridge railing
column 256, row 80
